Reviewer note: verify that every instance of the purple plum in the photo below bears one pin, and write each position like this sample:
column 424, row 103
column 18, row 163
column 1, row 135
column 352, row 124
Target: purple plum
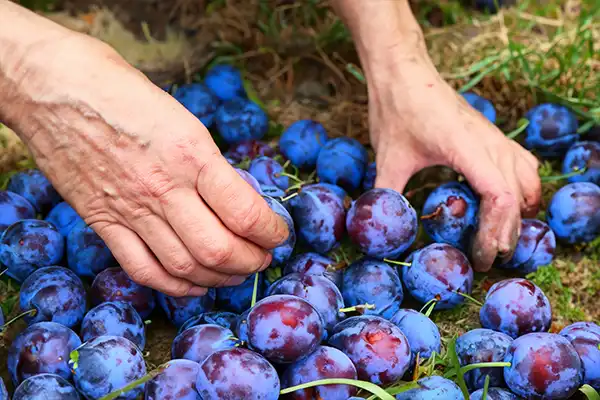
column 302, row 141
column 494, row 394
column 198, row 342
column 13, row 208
column 249, row 150
column 585, row 337
column 63, row 217
column 283, row 252
column 342, row 161
column 225, row 81
column 176, row 382
column 583, row 155
column 370, row 176
column 87, row 254
column 552, row 129
column 314, row 264
column 238, row 298
column 45, row 387
column 249, row 179
column 180, row 309
column 573, row 213
column 241, row 119
column 433, row 388
column 198, row 100
column 114, row 318
column 225, row 319
column 267, row 171
column 33, row 185
column 535, row 248
column 421, row 332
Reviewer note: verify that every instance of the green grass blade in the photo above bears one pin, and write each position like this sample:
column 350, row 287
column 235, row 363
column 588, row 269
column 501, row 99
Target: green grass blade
column 368, row 386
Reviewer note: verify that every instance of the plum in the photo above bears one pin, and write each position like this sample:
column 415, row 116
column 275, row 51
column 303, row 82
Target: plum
column 433, row 388
column 319, row 214
column 106, row 364
column 314, row 264
column 33, row 185
column 43, row 347
column 198, row 100
column 319, row 291
column 45, row 387
column 241, row 119
column 283, row 252
column 249, row 179
column 370, row 176
column 284, row 328
column 450, row 215
column 239, row 298
column 377, row 347
column 543, row 366
column 552, row 129
column 324, row 363
column 225, row 319
column 373, row 282
column 573, row 213
column 225, row 81
column 494, row 394
column 438, row 271
column 13, row 208
column 57, row 295
column 382, row 223
column 516, row 307
column 342, row 162
column 277, row 194
column 236, row 374
column 480, row 346
column 585, row 338
column 198, row 342
column 249, row 150
column 302, row 141
column 63, row 217
column 180, row 309
column 3, row 391
column 87, row 254
column 421, row 332
column 583, row 155
column 113, row 284
column 267, row 171
column 28, row 245
column 481, row 104
column 176, row 382
column 241, row 326
column 114, row 318
column 535, row 247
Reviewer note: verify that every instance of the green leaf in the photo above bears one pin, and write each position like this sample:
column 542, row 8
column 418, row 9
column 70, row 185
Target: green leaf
column 589, row 392
column 455, row 364
column 368, row 386
column 74, row 359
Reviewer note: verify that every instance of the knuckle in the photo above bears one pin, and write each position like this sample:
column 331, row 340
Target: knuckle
column 180, row 290
column 217, row 255
column 249, row 219
column 182, row 267
column 141, row 276
column 157, row 181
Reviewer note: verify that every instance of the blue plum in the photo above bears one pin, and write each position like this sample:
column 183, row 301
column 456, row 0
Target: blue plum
column 342, row 161
column 302, row 141
column 30, row 244
column 87, row 254
column 249, row 149
column 241, row 119
column 267, row 171
column 585, row 338
column 535, row 248
column 114, row 318
column 225, row 319
column 176, row 382
column 284, row 328
column 552, row 129
column 373, row 282
column 237, row 374
column 377, row 347
column 198, row 100
column 314, row 264
column 106, row 364
column 45, row 387
column 239, row 298
column 225, row 81
column 283, row 252
column 57, row 295
column 382, row 223
column 324, row 363
column 438, row 271
column 43, row 347
column 198, row 342
column 63, row 217
column 241, row 326
column 1, row 319
column 433, row 388
column 516, row 307
column 583, row 155
column 33, row 185
column 113, row 284
column 494, row 394
column 278, row 194
column 481, row 104
column 450, row 215
column 249, row 179
column 3, row 391
column 422, row 333
column 573, row 213
column 180, row 309
column 370, row 176
column 479, row 346
column 13, row 208
column 543, row 366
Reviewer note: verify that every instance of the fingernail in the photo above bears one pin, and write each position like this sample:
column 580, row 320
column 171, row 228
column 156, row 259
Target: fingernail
column 197, row 291
column 235, row 280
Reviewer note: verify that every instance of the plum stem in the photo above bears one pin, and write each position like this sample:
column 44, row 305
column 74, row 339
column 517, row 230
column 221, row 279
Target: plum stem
column 468, row 297
column 292, row 177
column 287, row 198
column 404, row 264
column 368, row 386
column 148, row 377
column 31, row 312
column 254, row 290
column 417, row 362
column 486, row 387
column 523, row 124
column 471, row 367
column 337, row 266
column 3, row 272
column 358, row 308
column 589, row 392
column 546, row 179
column 433, row 215
column 430, row 305
column 286, row 164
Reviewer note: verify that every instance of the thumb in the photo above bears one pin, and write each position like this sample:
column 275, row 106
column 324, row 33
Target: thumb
column 394, row 174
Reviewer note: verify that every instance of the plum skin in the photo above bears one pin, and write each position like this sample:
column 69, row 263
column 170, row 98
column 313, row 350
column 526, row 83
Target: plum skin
column 481, row 104
column 44, row 387
column 34, row 186
column 198, row 100
column 225, row 319
column 283, row 252
column 552, row 129
column 239, row 298
column 87, row 254
column 241, row 119
column 114, row 318
column 176, row 382
column 585, row 338
column 63, row 217
column 225, row 81
column 422, row 333
column 494, row 394
column 433, row 387
column 535, row 247
column 267, row 171
column 198, row 342
column 302, row 141
column 13, row 208
column 584, row 154
column 314, row 264
column 342, row 161
column 180, row 309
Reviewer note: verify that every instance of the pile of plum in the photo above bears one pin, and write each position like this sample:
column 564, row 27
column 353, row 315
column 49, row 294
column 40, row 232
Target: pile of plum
column 313, row 314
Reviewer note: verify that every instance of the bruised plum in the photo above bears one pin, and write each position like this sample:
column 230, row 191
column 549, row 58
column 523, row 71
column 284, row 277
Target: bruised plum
column 198, row 342
column 176, row 382
column 552, row 129
column 114, row 318
column 180, row 309
column 535, row 247
column 314, row 264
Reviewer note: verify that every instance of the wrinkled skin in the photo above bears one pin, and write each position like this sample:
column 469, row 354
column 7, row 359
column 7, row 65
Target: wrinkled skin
column 378, row 348
column 438, row 271
column 543, row 365
column 314, row 264
column 13, row 208
column 342, row 162
column 373, row 282
column 28, row 245
column 225, row 319
column 87, row 254
column 421, row 332
column 480, row 346
column 552, row 129
column 42, row 348
column 180, row 309
column 237, row 374
column 302, row 141
column 249, row 149
column 585, row 337
column 494, row 394
column 267, row 171
column 108, row 363
column 283, row 252
column 198, row 342
column 481, row 104
column 382, row 223
column 36, row 188
column 284, row 328
column 113, row 284
column 573, row 213
column 583, row 155
column 370, row 176
column 45, row 387
column 238, row 298
column 57, row 295
column 433, row 388
column 535, row 248
column 198, row 100
column 63, row 217
column 241, row 119
column 176, row 382
column 114, row 318
column 450, row 215
column 324, row 363
column 225, row 81
column 516, row 307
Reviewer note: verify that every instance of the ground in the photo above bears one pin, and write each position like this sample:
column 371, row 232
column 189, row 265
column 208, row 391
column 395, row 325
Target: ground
column 299, row 62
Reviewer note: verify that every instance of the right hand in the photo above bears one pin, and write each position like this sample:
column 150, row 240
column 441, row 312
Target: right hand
column 140, row 169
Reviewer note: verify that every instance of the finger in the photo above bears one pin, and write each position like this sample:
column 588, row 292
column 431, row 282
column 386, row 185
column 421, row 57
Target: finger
column 238, row 205
column 139, row 263
column 531, row 187
column 392, row 174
